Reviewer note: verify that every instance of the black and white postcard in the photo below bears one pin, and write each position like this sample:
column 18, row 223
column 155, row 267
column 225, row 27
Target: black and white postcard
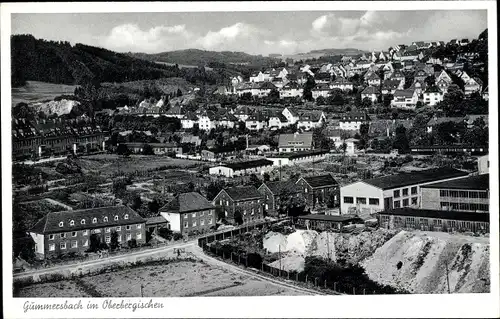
column 250, row 159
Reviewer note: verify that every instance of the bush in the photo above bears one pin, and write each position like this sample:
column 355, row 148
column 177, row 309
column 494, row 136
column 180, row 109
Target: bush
column 178, row 236
column 165, row 233
column 132, row 243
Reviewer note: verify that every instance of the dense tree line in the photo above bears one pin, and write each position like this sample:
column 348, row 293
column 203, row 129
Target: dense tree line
column 59, row 62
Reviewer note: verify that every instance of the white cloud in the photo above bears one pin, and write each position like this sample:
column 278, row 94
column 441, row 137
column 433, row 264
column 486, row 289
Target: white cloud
column 369, row 30
column 129, row 37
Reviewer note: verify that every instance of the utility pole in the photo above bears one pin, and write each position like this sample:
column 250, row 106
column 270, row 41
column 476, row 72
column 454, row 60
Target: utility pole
column 142, row 294
column 279, row 255
column 447, row 278
column 328, row 244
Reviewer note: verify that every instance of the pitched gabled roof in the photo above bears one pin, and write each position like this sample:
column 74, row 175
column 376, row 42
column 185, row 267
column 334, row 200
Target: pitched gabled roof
column 440, row 214
column 373, row 76
column 432, row 89
column 280, row 187
column 304, row 138
column 478, row 182
column 391, row 84
column 320, row 180
column 404, row 93
column 50, row 223
column 248, row 164
column 187, row 202
column 438, row 120
column 370, row 90
column 412, row 178
column 243, row 193
column 267, row 86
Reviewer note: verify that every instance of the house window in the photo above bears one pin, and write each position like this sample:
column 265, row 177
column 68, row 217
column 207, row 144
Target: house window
column 52, row 247
column 118, row 228
column 227, row 203
column 396, row 194
column 119, row 238
column 61, row 224
column 361, row 200
column 210, row 213
column 82, row 222
column 405, row 202
column 63, row 235
column 185, row 216
column 194, row 224
column 94, row 220
column 116, row 217
column 72, row 223
column 107, row 239
column 138, row 236
column 62, row 245
column 85, row 243
column 105, row 219
column 85, row 232
column 126, row 216
column 51, row 237
column 373, row 201
column 405, row 191
column 186, row 225
column 108, row 230
column 348, row 200
column 414, row 200
column 193, row 215
column 202, row 213
column 414, row 190
column 210, row 222
column 305, row 190
column 73, row 234
column 74, row 244
column 139, row 226
column 128, row 227
column 253, row 211
column 397, row 204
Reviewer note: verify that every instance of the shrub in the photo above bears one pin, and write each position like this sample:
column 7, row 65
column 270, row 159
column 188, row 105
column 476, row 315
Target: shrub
column 178, row 236
column 132, row 243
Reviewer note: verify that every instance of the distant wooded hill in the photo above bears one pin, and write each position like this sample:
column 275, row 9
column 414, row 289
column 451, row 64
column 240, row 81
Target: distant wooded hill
column 60, row 62
column 202, row 57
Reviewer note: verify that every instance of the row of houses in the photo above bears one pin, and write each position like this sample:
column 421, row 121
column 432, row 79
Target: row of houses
column 254, row 120
column 441, row 199
column 45, row 137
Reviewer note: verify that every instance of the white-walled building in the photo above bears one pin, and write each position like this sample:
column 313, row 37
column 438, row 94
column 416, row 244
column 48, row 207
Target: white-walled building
column 371, row 93
column 352, row 121
column 257, row 167
column 483, row 164
column 291, row 89
column 291, row 115
column 393, row 191
column 405, row 99
column 433, row 95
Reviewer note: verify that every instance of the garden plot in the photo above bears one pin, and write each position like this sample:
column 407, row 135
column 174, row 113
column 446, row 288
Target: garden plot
column 61, row 289
column 177, row 279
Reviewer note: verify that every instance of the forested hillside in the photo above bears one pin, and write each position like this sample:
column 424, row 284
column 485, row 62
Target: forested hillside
column 60, row 62
column 202, row 57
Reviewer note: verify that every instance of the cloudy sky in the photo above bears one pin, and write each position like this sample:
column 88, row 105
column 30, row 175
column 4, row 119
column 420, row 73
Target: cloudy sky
column 252, row 32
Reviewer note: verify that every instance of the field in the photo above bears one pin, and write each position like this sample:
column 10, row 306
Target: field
column 110, row 164
column 35, row 91
column 178, row 279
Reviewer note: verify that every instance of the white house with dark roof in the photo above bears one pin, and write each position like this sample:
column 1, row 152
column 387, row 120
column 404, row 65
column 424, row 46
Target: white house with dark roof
column 342, row 84
column 242, row 168
column 73, row 231
column 371, row 93
column 310, row 120
column 322, row 89
column 352, row 121
column 189, row 213
column 295, row 142
column 433, row 95
column 277, row 121
column 291, row 115
column 392, row 191
column 291, row 89
column 405, row 99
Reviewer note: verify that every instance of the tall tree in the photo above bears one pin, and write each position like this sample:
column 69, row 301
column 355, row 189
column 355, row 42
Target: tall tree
column 308, row 87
